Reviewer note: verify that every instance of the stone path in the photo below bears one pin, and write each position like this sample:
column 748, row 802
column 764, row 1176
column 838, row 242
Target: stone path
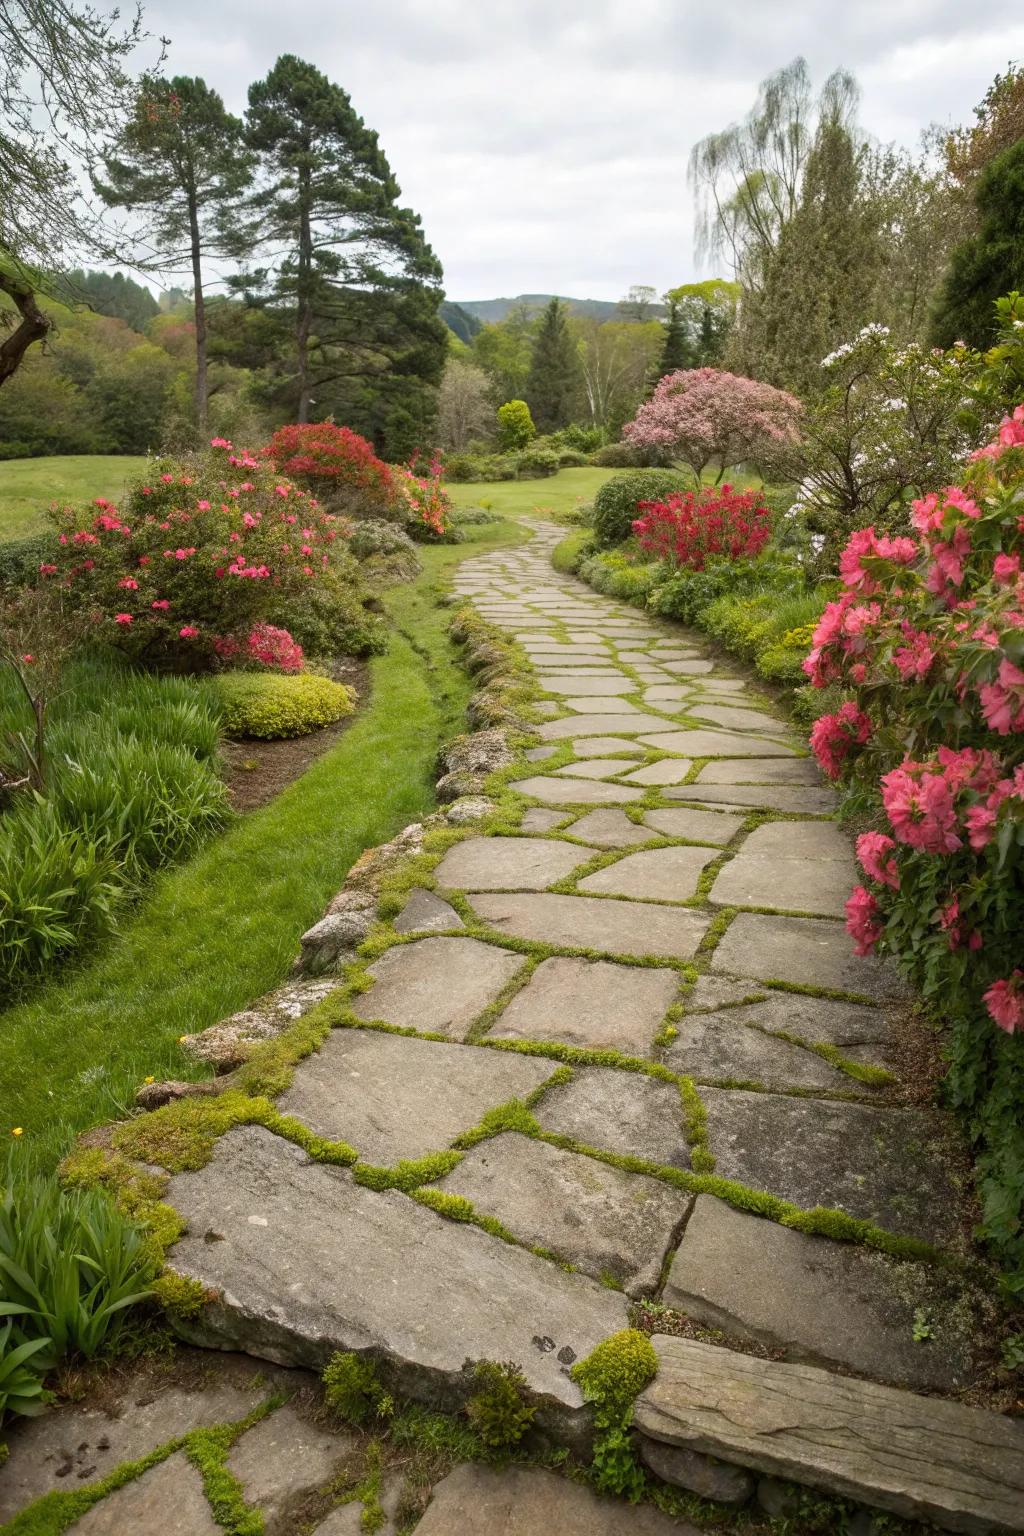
column 627, row 1023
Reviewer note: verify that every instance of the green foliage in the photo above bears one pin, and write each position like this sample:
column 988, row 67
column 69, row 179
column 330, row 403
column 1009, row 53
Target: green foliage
column 22, row 1393
column 991, row 262
column 353, row 1389
column 554, row 388
column 329, row 617
column 617, row 456
column 615, row 505
column 612, row 1377
column 687, row 595
column 515, row 426
column 498, row 1409
column 269, row 705
column 537, row 464
column 20, row 560
column 621, row 573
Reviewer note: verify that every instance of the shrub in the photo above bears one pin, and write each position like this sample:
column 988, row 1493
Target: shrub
column 580, row 438
column 702, row 416
column 571, row 458
column 461, row 467
column 20, row 560
column 617, row 456
column 335, row 463
column 687, row 595
column 329, row 617
column 690, row 526
column 515, row 425
column 203, row 550
column 537, row 464
column 427, row 507
column 617, row 573
column 268, row 705
column 928, row 640
column 264, row 646
column 616, row 503
column 376, row 537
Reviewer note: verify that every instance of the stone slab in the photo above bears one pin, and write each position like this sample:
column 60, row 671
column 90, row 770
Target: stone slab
column 594, row 768
column 507, row 864
column 394, row 1097
column 586, row 705
column 610, row 829
column 716, row 827
column 661, row 694
column 615, row 927
column 768, row 770
column 804, row 951
column 811, row 1018
column 538, row 754
column 735, row 718
column 426, row 913
column 823, row 1302
column 556, row 791
column 537, row 818
column 919, row 1458
column 436, row 985
column 624, row 1112
column 884, row 1165
column 609, row 1223
column 670, row 770
column 605, row 684
column 706, row 1475
column 653, row 874
column 689, row 668
column 385, row 1276
column 599, row 725
column 701, row 743
column 598, row 746
column 820, row 886
column 722, row 1048
column 525, row 1501
column 769, row 797
column 818, row 840
column 168, row 1500
column 591, row 1003
column 284, row 1456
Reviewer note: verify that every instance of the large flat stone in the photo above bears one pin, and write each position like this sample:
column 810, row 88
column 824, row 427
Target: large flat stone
column 689, row 668
column 601, row 746
column 789, row 798
column 284, row 1457
column 438, row 986
column 604, row 685
column 524, row 1501
column 811, row 840
column 656, row 874
column 701, row 743
column 668, row 770
column 610, row 829
column 803, row 951
column 697, row 826
column 616, row 927
column 810, row 1018
column 610, row 1224
column 599, row 725
column 721, row 1048
column 820, row 886
column 537, row 818
column 823, row 1302
column 594, row 768
column 393, row 1097
column 168, row 1500
column 555, row 791
column 585, row 705
column 919, row 1458
column 592, row 1003
column 384, row 1276
column 768, row 770
column 624, row 1112
column 426, row 913
column 506, row 864
column 734, row 718
column 886, row 1166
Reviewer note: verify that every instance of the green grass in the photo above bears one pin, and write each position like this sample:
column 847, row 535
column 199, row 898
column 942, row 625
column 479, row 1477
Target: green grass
column 214, row 935
column 27, row 486
column 559, row 493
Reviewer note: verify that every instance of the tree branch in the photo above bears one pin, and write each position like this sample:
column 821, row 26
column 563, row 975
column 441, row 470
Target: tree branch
column 34, row 325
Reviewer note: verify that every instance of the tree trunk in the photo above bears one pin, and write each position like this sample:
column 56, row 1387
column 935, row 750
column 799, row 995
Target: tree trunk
column 305, row 297
column 202, row 384
column 34, row 325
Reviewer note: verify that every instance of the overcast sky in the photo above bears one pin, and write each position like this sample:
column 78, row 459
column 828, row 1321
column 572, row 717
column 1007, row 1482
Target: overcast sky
column 545, row 142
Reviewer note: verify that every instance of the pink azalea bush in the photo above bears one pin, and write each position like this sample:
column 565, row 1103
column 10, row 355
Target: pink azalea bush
column 199, row 556
column 928, row 639
column 690, row 527
column 702, row 416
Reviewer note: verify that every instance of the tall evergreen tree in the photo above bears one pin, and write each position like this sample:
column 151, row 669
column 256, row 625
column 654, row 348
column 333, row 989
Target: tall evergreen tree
column 989, row 264
column 555, row 384
column 676, row 351
column 181, row 158
column 345, row 262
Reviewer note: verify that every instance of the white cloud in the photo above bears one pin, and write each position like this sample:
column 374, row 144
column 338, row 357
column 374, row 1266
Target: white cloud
column 545, row 144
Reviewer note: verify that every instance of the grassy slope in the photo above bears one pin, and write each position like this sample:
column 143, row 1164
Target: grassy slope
column 27, row 486
column 217, row 933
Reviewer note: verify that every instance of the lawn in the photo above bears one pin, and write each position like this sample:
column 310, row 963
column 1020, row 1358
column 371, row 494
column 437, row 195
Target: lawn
column 27, row 486
column 215, row 934
column 559, row 493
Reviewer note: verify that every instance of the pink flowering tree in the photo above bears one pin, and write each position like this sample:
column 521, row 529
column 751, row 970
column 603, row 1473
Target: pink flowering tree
column 928, row 639
column 700, row 417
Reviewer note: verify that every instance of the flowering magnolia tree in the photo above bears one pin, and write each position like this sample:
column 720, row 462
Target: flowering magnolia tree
column 929, row 638
column 199, row 556
column 702, row 416
column 691, row 526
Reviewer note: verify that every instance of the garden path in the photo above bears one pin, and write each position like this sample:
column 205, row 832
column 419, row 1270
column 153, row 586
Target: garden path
column 634, row 1034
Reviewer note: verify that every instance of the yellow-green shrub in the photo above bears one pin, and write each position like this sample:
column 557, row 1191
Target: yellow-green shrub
column 269, row 704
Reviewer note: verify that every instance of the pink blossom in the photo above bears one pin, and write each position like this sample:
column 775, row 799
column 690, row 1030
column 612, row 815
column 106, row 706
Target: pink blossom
column 921, row 809
column 1005, row 999
column 167, row 479
column 833, row 736
column 871, row 846
column 862, row 920
column 188, row 632
column 46, row 569
column 219, row 442
column 1006, row 569
column 129, row 583
column 1002, row 702
column 122, row 618
column 202, row 506
column 161, row 604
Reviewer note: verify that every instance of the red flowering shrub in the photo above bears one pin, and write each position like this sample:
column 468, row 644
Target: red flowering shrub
column 264, row 646
column 199, row 554
column 426, row 501
column 335, row 462
column 929, row 637
column 689, row 526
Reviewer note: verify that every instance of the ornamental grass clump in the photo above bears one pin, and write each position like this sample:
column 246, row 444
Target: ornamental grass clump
column 927, row 640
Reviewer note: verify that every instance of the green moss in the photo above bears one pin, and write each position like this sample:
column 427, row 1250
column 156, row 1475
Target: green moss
column 512, row 1116
column 180, row 1296
column 499, row 1410
column 611, row 1378
column 407, row 1174
column 353, row 1390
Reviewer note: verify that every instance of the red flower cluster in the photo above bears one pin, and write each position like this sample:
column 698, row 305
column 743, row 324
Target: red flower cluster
column 265, row 646
column 327, row 456
column 691, row 526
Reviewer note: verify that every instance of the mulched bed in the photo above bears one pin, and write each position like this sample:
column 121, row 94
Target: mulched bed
column 255, row 771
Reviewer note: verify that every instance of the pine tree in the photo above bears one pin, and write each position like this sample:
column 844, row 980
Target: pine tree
column 991, row 263
column 555, row 385
column 346, row 263
column 182, row 159
column 676, row 352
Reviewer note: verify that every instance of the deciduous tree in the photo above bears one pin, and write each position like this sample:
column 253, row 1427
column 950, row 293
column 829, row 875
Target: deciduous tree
column 465, row 408
column 704, row 417
column 990, row 263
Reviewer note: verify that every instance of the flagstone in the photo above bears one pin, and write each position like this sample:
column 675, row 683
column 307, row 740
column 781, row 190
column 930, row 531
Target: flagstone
column 735, row 718
column 610, row 829
column 670, row 770
column 604, row 684
column 612, row 927
column 592, row 1003
column 624, row 1112
column 800, row 884
column 768, row 770
column 701, row 743
column 436, row 985
column 658, row 874
column 696, row 826
column 804, row 951
column 575, row 792
column 769, row 797
column 596, row 724
column 424, row 912
column 537, row 818
column 506, row 864
column 723, row 1048
column 689, row 668
column 599, row 746
column 594, row 768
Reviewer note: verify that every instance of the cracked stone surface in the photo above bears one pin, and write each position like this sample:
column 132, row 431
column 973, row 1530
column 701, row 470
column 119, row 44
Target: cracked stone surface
column 769, row 797
column 524, row 1501
column 592, row 1003
column 556, row 791
column 624, row 1112
column 425, row 913
column 697, row 826
column 436, row 985
column 755, row 770
column 615, row 927
column 702, row 743
column 168, row 1500
column 610, row 829
column 283, row 1457
column 507, row 864
column 723, row 1048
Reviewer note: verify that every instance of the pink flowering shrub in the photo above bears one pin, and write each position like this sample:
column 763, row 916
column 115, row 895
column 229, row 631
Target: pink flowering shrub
column 200, row 554
column 420, row 486
column 264, row 646
column 333, row 462
column 928, row 638
column 702, row 416
column 691, row 526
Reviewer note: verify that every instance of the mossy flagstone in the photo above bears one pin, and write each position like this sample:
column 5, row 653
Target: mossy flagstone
column 580, row 683
column 702, row 743
column 724, row 1048
column 733, row 717
column 653, row 874
column 606, row 925
column 556, row 791
column 803, row 951
column 769, row 797
column 627, row 1113
column 168, row 1500
column 594, row 724
column 595, row 768
column 598, row 746
column 507, row 864
column 426, row 913
column 669, row 770
column 610, row 829
column 523, row 1501
column 768, row 770
column 697, row 826
column 436, row 985
column 591, row 1003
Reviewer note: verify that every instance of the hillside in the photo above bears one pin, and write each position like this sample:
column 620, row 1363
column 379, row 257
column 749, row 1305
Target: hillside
column 491, row 310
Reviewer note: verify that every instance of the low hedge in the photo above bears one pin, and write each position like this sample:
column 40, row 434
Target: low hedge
column 269, row 705
column 615, row 505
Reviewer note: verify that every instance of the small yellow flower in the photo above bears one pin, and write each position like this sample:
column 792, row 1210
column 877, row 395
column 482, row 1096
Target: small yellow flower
column 182, row 1039
column 17, row 1131
column 150, row 1079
